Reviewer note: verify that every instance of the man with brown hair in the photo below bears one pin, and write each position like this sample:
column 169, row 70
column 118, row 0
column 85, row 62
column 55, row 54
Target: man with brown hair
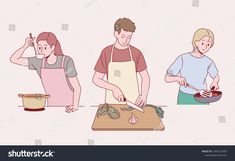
column 121, row 62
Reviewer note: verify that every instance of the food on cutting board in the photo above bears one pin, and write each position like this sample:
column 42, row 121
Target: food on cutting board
column 113, row 113
column 106, row 109
column 133, row 119
column 129, row 108
column 158, row 110
column 102, row 110
column 129, row 120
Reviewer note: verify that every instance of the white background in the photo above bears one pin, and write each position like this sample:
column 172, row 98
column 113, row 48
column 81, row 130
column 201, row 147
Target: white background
column 164, row 31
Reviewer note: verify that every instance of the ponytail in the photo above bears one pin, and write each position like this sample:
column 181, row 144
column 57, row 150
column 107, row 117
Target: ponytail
column 58, row 50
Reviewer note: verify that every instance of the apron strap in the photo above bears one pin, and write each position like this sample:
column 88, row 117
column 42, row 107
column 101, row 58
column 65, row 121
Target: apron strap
column 111, row 57
column 130, row 52
column 43, row 62
column 62, row 62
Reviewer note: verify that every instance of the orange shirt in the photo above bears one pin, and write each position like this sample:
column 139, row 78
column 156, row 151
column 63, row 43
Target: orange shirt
column 120, row 55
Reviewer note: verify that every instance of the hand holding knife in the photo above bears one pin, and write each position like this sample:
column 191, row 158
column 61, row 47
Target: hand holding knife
column 133, row 105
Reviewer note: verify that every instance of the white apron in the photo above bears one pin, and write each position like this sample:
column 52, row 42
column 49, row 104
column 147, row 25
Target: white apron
column 123, row 75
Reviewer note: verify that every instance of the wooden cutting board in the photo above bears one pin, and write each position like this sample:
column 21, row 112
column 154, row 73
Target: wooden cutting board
column 147, row 121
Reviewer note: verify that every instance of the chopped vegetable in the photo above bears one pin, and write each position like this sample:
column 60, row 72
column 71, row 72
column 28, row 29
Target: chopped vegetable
column 106, row 109
column 129, row 108
column 113, row 113
column 102, row 110
column 158, row 110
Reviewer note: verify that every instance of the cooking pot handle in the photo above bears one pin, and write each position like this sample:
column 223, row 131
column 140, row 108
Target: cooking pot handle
column 41, row 96
column 20, row 95
column 47, row 96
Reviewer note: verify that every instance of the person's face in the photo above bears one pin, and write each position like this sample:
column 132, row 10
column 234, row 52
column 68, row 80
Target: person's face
column 204, row 44
column 44, row 48
column 124, row 37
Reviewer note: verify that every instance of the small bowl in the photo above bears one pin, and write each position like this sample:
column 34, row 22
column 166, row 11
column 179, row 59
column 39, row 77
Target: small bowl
column 40, row 56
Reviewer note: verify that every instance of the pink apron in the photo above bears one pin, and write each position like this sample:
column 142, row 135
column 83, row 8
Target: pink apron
column 55, row 84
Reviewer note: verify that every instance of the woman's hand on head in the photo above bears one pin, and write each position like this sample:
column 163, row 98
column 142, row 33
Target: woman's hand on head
column 71, row 108
column 29, row 41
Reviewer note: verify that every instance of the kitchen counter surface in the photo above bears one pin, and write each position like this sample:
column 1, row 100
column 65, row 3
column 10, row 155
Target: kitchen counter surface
column 54, row 126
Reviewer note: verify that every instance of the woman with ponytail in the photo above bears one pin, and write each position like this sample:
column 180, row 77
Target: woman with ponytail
column 57, row 71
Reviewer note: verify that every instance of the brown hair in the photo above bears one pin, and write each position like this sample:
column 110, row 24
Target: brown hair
column 51, row 40
column 124, row 23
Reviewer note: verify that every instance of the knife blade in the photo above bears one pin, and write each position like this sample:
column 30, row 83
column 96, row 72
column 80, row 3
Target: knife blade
column 134, row 106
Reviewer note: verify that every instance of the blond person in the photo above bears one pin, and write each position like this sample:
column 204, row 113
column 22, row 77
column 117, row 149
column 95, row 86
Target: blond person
column 194, row 67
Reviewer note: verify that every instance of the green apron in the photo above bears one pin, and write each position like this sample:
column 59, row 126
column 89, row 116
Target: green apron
column 187, row 99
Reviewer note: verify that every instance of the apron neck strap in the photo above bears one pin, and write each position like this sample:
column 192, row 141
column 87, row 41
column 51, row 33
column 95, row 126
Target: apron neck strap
column 111, row 57
column 130, row 52
column 43, row 62
column 62, row 62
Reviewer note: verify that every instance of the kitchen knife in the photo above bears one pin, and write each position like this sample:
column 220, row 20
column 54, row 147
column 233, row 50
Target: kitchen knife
column 133, row 105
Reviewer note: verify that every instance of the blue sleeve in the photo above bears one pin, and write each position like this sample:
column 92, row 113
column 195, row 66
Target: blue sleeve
column 212, row 70
column 175, row 68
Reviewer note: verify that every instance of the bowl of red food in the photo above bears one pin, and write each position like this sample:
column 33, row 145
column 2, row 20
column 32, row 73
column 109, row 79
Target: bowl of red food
column 214, row 97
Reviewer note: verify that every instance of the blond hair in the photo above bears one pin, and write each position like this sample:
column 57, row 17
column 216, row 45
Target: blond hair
column 124, row 23
column 200, row 33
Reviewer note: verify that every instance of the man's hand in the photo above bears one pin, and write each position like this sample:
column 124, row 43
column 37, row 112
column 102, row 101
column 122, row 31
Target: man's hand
column 117, row 94
column 141, row 101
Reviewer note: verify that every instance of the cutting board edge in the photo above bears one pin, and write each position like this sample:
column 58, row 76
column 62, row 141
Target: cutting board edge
column 141, row 129
column 130, row 129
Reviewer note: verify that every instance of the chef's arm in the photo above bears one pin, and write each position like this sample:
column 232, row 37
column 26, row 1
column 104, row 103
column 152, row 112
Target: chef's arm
column 98, row 79
column 216, row 79
column 170, row 78
column 77, row 90
column 17, row 58
column 145, row 82
column 175, row 78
